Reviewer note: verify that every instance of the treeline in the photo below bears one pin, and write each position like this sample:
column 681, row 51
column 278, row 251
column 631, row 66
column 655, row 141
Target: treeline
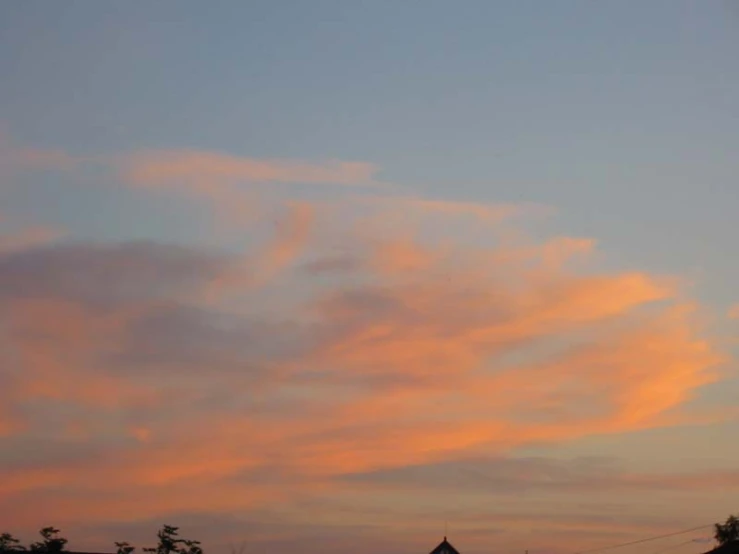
column 168, row 542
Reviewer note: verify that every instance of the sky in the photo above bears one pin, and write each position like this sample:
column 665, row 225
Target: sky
column 343, row 276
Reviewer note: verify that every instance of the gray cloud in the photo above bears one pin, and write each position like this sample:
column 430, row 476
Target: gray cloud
column 502, row 475
column 102, row 275
column 331, row 264
column 192, row 338
column 511, row 475
column 24, row 452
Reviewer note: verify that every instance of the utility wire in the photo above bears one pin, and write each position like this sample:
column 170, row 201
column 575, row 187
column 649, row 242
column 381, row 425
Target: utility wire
column 654, row 538
column 678, row 545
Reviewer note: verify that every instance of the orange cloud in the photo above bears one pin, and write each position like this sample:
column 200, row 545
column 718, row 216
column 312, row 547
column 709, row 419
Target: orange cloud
column 417, row 343
column 291, row 238
column 16, row 158
column 28, row 238
column 442, row 340
column 424, row 207
column 219, row 178
column 163, row 168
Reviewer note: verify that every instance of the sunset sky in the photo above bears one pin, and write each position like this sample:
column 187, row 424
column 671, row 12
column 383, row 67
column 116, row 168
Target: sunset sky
column 328, row 276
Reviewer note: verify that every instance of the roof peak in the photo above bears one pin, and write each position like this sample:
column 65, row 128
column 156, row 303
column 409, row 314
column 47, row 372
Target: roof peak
column 444, row 547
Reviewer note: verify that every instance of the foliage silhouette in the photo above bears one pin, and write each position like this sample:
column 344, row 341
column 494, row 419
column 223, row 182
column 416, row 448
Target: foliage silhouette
column 728, row 531
column 169, row 543
column 8, row 543
column 124, row 548
column 52, row 543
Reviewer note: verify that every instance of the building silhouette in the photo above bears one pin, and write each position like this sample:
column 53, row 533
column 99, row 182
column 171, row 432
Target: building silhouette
column 444, row 548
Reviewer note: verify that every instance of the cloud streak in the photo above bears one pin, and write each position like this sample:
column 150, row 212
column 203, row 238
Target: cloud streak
column 164, row 167
column 15, row 158
column 346, row 341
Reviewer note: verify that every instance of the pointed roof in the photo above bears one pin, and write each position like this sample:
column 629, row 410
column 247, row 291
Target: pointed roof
column 444, row 548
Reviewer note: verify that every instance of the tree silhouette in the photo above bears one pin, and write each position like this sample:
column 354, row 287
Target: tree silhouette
column 727, row 532
column 52, row 543
column 124, row 548
column 169, row 543
column 8, row 543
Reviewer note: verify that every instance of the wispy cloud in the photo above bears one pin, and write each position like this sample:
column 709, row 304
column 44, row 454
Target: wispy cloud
column 228, row 182
column 388, row 370
column 170, row 167
column 358, row 336
column 28, row 237
column 14, row 157
column 517, row 475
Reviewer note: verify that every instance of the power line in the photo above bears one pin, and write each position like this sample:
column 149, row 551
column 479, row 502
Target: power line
column 678, row 545
column 654, row 538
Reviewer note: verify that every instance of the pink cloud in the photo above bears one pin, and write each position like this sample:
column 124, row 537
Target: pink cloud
column 18, row 158
column 432, row 339
column 227, row 182
column 198, row 168
column 232, row 186
column 424, row 333
column 28, row 237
